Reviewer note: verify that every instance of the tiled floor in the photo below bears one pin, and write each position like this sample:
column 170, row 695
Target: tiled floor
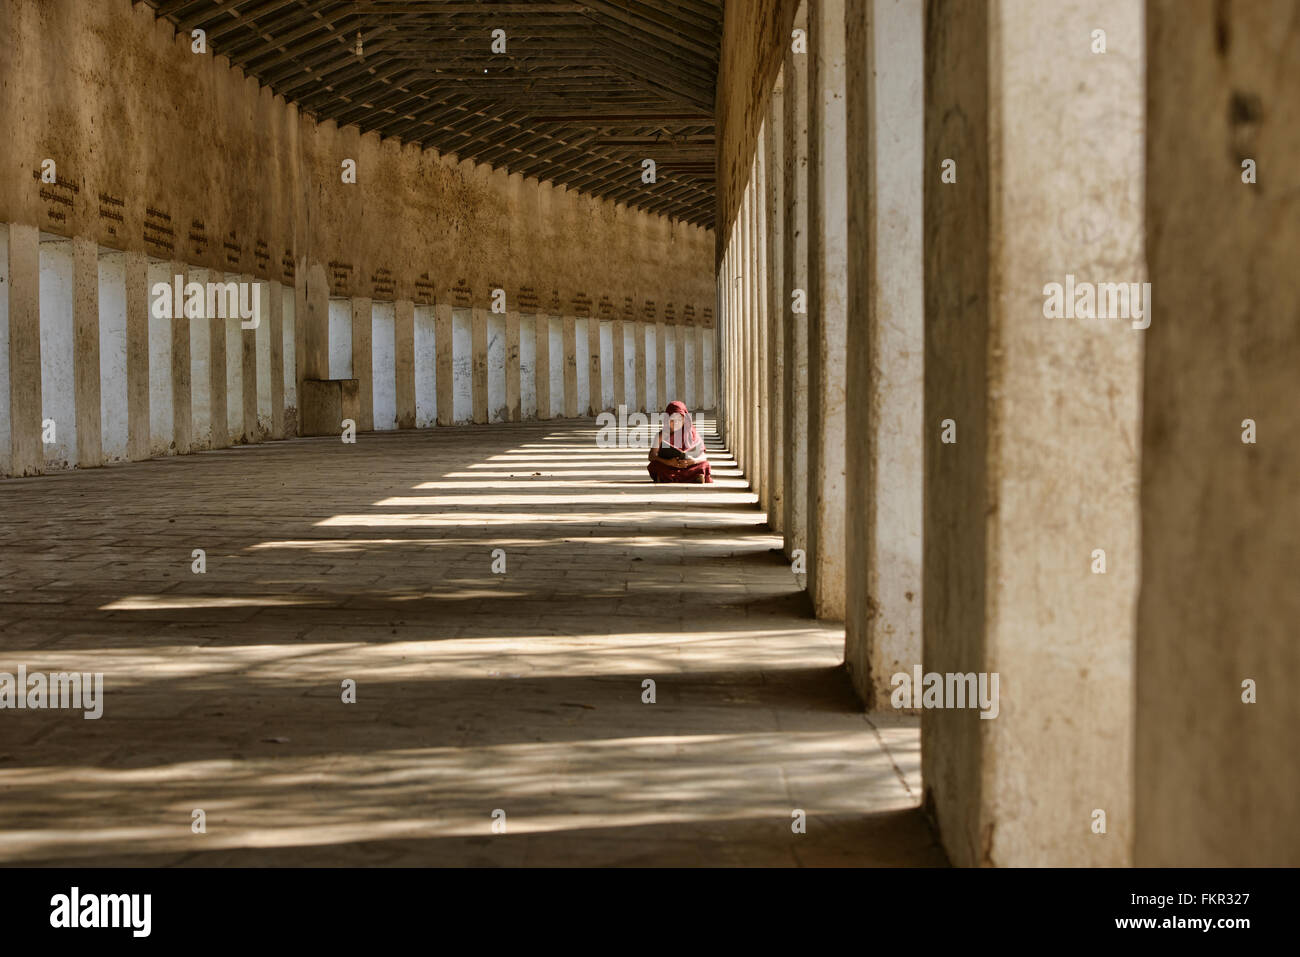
column 475, row 692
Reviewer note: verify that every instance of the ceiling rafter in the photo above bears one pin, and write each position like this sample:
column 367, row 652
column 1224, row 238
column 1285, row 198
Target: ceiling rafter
column 586, row 90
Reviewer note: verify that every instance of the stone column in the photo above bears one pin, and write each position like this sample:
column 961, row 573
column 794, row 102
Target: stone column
column 595, row 392
column 619, row 358
column 884, row 453
column 85, row 352
column 26, row 453
column 218, row 410
column 512, row 366
column 442, row 344
column 479, row 381
column 1031, row 426
column 1218, row 659
column 137, row 355
column 248, row 379
column 638, row 363
column 827, row 314
column 570, row 367
column 661, row 366
column 542, row 363
column 274, row 318
column 758, row 325
column 363, row 360
column 774, row 203
column 404, row 352
column 794, row 267
column 702, row 335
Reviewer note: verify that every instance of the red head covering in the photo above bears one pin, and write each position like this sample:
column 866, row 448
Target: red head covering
column 685, row 438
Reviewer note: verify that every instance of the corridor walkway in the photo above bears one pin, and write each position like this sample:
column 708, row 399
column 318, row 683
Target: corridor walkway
column 476, row 692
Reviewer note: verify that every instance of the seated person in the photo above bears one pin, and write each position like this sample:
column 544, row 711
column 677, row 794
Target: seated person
column 678, row 452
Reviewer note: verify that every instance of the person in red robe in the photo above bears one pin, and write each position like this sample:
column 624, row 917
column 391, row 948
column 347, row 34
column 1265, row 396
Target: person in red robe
column 678, row 452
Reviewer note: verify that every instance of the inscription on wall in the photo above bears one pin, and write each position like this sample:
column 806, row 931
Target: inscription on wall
column 527, row 299
column 581, row 304
column 287, row 268
column 460, row 294
column 234, row 251
column 198, row 237
column 424, row 289
column 59, row 197
column 605, row 309
column 110, row 212
column 157, row 232
column 382, row 285
column 340, row 277
column 648, row 311
column 261, row 256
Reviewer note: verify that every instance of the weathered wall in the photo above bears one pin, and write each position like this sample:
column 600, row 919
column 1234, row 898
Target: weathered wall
column 755, row 35
column 1220, row 517
column 177, row 155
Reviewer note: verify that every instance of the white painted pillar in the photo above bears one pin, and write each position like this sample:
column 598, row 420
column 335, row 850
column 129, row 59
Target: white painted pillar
column 363, row 323
column 442, row 333
column 404, row 362
column 1041, row 409
column 512, row 366
column 26, row 453
column 542, row 341
column 794, row 264
column 112, row 357
column 479, row 389
column 828, row 312
column 776, row 308
column 275, row 323
column 885, row 338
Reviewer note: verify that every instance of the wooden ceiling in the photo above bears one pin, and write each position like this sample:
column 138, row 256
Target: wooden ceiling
column 583, row 94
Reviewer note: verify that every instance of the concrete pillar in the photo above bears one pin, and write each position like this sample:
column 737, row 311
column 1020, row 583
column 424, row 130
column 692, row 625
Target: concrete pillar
column 85, row 352
column 262, row 350
column 512, row 366
column 443, row 347
column 639, row 360
column 619, row 359
column 274, row 319
column 112, row 358
column 542, row 360
column 661, row 366
column 794, row 266
column 827, row 314
column 404, row 371
column 363, row 330
column 137, row 355
column 480, row 364
column 886, row 342
column 704, row 399
column 758, row 325
column 570, row 367
column 218, row 407
column 26, row 453
column 1045, row 416
column 315, row 354
column 1216, row 770
column 595, row 402
column 774, row 203
column 200, row 376
column 248, row 370
column 234, row 360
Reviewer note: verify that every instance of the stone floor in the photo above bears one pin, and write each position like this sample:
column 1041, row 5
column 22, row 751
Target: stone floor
column 475, row 692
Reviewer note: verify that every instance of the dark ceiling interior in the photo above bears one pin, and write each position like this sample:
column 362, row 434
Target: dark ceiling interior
column 584, row 92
